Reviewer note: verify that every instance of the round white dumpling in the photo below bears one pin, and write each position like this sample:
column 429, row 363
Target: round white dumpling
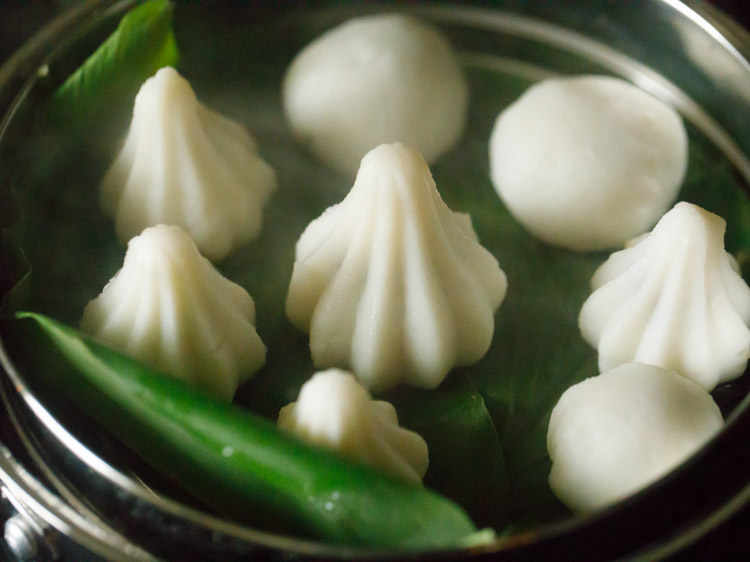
column 588, row 163
column 185, row 164
column 612, row 435
column 372, row 80
column 334, row 411
column 171, row 309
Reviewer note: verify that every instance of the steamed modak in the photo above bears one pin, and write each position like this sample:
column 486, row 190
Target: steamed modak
column 185, row 164
column 171, row 309
column 390, row 283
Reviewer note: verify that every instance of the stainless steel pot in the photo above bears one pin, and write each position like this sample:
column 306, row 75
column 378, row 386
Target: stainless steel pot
column 62, row 500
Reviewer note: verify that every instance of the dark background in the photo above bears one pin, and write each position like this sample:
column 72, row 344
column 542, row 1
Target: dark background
column 738, row 9
column 19, row 19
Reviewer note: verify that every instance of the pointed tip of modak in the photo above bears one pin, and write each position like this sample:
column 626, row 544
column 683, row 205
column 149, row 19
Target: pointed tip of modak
column 394, row 153
column 163, row 234
column 687, row 226
column 394, row 158
column 163, row 242
column 167, row 84
column 693, row 218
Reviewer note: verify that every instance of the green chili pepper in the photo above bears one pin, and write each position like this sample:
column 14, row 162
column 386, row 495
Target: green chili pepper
column 232, row 460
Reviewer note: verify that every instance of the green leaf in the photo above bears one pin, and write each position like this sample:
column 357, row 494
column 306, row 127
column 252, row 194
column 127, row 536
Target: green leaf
column 14, row 268
column 142, row 43
column 466, row 458
column 712, row 184
column 85, row 117
column 231, row 459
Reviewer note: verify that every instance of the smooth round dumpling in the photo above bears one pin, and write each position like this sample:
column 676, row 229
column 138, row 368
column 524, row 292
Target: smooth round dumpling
column 612, row 435
column 390, row 282
column 334, row 411
column 588, row 163
column 171, row 309
column 185, row 164
column 372, row 80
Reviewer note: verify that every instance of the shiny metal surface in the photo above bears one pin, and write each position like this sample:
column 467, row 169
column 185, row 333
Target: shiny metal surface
column 79, row 494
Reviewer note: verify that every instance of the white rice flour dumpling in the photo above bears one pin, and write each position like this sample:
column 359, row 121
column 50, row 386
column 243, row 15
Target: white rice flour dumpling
column 674, row 299
column 588, row 162
column 187, row 165
column 171, row 309
column 334, row 411
column 611, row 435
column 392, row 284
column 376, row 79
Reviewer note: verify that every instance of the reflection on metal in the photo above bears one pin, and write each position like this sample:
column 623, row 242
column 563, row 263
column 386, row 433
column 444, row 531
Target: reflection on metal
column 641, row 75
column 45, row 514
column 23, row 537
column 26, row 536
